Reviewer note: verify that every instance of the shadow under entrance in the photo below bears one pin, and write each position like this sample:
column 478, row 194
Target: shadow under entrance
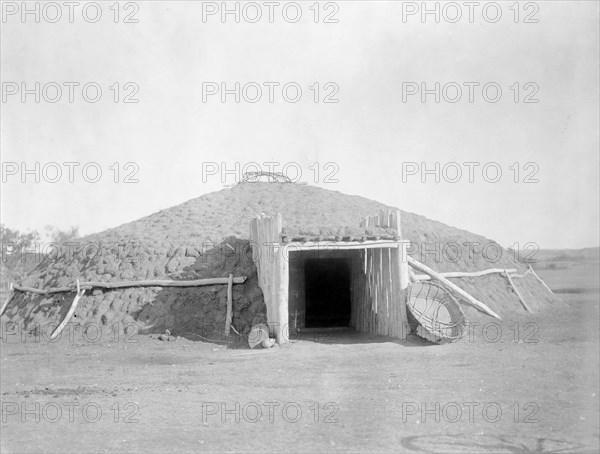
column 327, row 287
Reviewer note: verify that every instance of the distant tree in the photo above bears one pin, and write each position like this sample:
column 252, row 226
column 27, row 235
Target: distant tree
column 62, row 236
column 15, row 241
column 17, row 260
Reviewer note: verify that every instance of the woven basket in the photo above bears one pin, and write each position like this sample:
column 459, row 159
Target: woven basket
column 434, row 314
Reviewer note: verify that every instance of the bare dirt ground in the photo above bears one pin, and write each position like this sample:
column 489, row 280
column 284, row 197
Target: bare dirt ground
column 527, row 384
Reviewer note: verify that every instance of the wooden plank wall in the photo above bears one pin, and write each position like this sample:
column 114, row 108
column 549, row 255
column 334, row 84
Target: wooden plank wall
column 379, row 282
column 379, row 279
column 273, row 271
column 385, row 218
column 378, row 305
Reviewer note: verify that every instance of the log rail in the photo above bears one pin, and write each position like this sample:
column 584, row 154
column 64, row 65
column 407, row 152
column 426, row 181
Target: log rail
column 125, row 284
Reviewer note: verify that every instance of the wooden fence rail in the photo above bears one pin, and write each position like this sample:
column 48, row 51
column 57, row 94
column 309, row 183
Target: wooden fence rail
column 124, row 284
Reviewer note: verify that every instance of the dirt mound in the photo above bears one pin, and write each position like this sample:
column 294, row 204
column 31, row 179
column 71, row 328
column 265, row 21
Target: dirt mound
column 208, row 237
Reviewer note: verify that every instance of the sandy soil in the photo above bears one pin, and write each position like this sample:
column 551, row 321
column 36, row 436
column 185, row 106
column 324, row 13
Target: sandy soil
column 329, row 391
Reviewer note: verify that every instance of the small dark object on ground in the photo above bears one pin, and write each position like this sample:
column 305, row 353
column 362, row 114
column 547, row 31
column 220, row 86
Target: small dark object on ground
column 167, row 336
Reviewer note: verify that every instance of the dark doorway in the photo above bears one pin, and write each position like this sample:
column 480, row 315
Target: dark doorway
column 327, row 285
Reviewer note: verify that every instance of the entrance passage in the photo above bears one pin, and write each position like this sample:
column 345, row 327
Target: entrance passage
column 327, row 286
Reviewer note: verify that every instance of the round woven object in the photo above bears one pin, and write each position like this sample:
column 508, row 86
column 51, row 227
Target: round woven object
column 434, row 314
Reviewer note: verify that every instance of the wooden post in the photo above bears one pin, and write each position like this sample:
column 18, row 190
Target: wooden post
column 273, row 272
column 282, row 287
column 229, row 306
column 412, row 275
column 403, row 256
column 530, row 269
column 282, row 299
column 512, row 284
column 404, row 275
column 396, row 225
column 399, row 291
column 74, row 304
column 10, row 295
column 453, row 287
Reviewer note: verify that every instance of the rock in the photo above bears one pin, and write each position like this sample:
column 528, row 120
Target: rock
column 268, row 343
column 191, row 252
column 167, row 337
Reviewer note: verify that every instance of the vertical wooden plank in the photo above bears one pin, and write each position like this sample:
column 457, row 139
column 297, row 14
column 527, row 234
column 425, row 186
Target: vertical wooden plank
column 273, row 272
column 377, row 276
column 376, row 285
column 388, row 292
column 374, row 276
column 393, row 298
column 280, row 281
column 360, row 298
column 352, row 291
column 404, row 275
column 387, row 284
column 374, row 300
column 401, row 292
column 382, row 314
column 381, row 302
column 394, row 295
column 394, row 290
column 384, row 291
column 397, row 295
column 369, row 294
column 274, row 264
column 367, row 298
column 391, row 294
column 396, row 300
column 353, row 307
column 283, row 292
column 229, row 314
column 357, row 298
column 384, row 288
column 390, row 297
column 355, row 292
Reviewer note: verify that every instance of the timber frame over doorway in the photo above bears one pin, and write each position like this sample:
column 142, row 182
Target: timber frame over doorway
column 371, row 261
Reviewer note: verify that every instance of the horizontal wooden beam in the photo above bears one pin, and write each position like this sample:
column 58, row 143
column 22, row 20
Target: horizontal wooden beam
column 337, row 245
column 425, row 277
column 127, row 284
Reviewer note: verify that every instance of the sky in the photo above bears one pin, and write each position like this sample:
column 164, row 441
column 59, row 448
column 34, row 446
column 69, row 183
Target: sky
column 380, row 140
